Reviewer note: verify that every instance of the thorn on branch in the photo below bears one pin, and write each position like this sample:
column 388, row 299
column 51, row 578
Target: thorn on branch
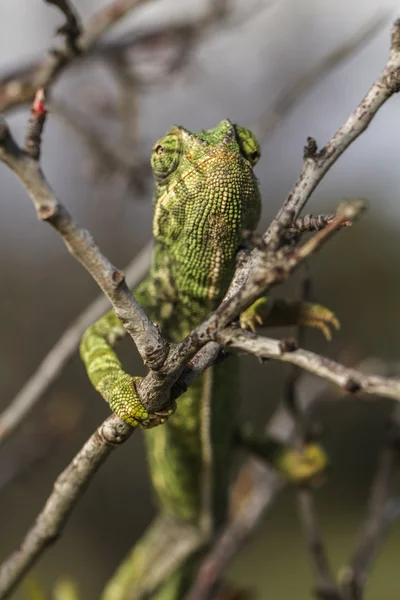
column 33, row 138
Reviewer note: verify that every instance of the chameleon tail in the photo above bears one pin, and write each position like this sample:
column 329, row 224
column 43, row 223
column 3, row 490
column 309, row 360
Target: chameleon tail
column 160, row 564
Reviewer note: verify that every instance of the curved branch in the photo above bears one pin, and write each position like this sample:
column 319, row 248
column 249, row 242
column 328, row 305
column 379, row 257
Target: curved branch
column 67, row 490
column 22, row 87
column 55, row 361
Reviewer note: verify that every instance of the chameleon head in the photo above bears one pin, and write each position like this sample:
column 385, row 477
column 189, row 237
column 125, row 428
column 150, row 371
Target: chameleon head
column 206, row 195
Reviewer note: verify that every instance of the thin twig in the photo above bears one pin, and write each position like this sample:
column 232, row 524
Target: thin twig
column 317, row 164
column 266, row 483
column 349, row 380
column 23, row 86
column 72, row 28
column 62, row 351
column 147, row 337
column 353, row 577
column 326, row 588
column 290, row 96
column 68, row 488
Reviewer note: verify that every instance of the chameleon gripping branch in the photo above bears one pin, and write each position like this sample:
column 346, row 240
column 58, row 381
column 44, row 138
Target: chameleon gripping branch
column 63, row 350
column 27, row 169
column 54, row 362
column 78, row 241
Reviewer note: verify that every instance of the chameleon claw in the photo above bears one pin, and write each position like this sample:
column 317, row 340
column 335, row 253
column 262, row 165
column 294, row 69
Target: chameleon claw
column 278, row 312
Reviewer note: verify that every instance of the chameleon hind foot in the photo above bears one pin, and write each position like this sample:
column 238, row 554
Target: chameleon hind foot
column 124, row 401
column 299, row 466
column 271, row 312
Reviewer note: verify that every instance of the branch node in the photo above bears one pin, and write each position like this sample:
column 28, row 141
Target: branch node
column 45, row 212
column 352, row 386
column 288, row 345
column 311, row 148
column 118, row 277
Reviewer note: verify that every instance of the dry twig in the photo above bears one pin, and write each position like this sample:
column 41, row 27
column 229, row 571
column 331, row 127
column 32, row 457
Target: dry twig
column 62, row 351
column 279, row 266
column 22, row 86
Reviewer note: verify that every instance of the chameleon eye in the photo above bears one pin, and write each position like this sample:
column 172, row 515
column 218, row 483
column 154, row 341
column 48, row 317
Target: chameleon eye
column 249, row 146
column 165, row 156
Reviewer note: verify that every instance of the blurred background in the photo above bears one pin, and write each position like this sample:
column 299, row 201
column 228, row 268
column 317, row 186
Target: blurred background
column 238, row 67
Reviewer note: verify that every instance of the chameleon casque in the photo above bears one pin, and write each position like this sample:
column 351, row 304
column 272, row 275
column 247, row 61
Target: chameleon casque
column 206, row 195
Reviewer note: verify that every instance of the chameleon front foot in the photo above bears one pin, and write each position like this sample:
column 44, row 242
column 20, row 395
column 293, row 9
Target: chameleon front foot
column 270, row 312
column 124, row 401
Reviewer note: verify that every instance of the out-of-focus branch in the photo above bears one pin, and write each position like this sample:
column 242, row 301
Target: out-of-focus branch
column 379, row 517
column 151, row 345
column 62, row 351
column 108, row 161
column 72, row 28
column 290, row 96
column 317, row 163
column 326, row 587
column 280, row 262
column 67, row 490
column 21, row 87
column 266, row 484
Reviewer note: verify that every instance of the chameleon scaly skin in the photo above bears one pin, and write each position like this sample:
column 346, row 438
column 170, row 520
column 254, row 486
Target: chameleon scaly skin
column 206, row 195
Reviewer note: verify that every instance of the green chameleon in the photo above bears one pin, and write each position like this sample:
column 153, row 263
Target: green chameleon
column 206, row 195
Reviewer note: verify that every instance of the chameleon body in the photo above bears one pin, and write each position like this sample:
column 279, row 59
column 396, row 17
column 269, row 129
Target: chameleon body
column 206, row 195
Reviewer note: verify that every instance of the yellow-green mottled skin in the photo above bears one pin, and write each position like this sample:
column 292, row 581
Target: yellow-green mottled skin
column 206, row 194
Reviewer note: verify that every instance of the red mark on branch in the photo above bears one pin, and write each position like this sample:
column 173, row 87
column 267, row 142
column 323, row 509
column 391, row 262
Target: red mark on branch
column 39, row 104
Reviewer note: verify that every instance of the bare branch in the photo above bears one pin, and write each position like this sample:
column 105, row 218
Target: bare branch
column 62, row 351
column 22, row 87
column 316, row 165
column 349, row 380
column 378, row 518
column 267, row 484
column 326, row 587
column 288, row 99
column 151, row 345
column 68, row 488
column 72, row 28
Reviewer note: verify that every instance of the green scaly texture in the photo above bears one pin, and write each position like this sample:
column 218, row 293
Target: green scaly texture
column 206, row 195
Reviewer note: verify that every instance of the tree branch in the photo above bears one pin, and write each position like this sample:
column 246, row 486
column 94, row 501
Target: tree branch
column 62, row 351
column 151, row 345
column 68, row 488
column 378, row 518
column 22, row 87
column 317, row 164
